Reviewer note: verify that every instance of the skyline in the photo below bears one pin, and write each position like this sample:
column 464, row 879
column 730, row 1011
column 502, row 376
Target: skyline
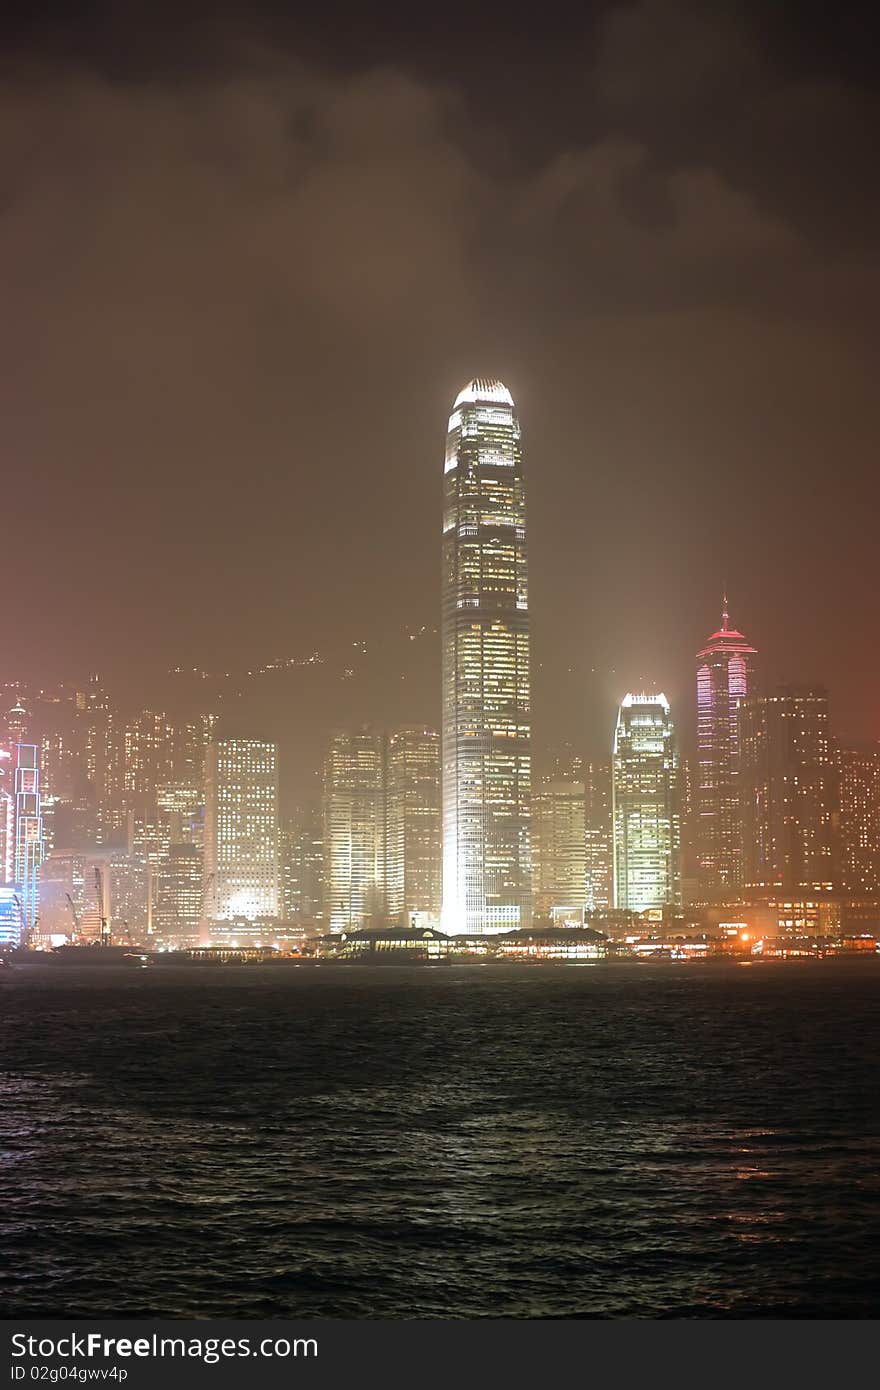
column 113, row 784
column 365, row 690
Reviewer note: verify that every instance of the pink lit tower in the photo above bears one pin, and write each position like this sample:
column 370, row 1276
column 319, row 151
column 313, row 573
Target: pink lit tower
column 725, row 675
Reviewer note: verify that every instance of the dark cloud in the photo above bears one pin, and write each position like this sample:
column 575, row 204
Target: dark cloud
column 243, row 277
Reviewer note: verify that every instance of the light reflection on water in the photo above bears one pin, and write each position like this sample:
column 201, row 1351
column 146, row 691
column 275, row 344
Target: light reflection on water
column 454, row 1142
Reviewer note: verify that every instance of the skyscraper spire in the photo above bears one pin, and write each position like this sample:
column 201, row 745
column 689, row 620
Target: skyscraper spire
column 725, row 676
column 486, row 685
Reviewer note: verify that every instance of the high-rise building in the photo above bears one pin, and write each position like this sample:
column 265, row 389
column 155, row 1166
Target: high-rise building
column 130, row 889
column 486, row 680
column 645, row 791
column 787, row 791
column 178, row 908
column 600, row 840
column 190, row 740
column 413, row 850
column 7, row 815
column 147, row 746
column 559, row 845
column 28, row 829
column 18, row 722
column 354, row 829
column 302, row 866
column 180, row 805
column 241, row 829
column 725, row 676
column 858, row 782
column 101, row 731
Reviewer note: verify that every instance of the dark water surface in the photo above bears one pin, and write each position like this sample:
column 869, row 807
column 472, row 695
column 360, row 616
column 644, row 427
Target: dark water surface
column 644, row 1140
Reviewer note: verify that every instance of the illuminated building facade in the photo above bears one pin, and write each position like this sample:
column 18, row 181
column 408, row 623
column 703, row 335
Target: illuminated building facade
column 413, row 851
column 129, row 887
column 147, row 744
column 645, row 803
column 179, row 804
column 858, row 782
column 241, row 829
column 11, row 930
column 725, row 676
column 28, row 830
column 178, row 908
column 599, row 836
column 486, row 681
column 559, row 845
column 787, row 791
column 354, row 829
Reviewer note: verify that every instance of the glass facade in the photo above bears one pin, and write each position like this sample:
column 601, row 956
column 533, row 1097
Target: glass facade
column 302, row 866
column 486, row 683
column 179, row 894
column 241, row 830
column 28, row 829
column 725, row 676
column 559, row 845
column 600, row 849
column 412, row 834
column 645, row 795
column 354, row 829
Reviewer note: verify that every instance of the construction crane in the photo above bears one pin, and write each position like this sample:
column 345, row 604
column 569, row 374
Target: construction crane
column 75, row 915
column 99, row 890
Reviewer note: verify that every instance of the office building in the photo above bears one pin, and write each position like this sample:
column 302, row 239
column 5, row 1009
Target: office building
column 241, row 829
column 485, row 668
column 354, row 829
column 725, row 676
column 413, row 827
column 787, row 791
column 559, row 845
column 29, row 848
column 178, row 908
column 599, row 836
column 646, row 815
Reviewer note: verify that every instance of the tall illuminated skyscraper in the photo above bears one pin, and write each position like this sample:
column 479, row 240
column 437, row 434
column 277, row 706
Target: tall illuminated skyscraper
column 645, row 795
column 241, row 829
column 28, row 829
column 302, row 866
column 725, row 676
column 486, row 684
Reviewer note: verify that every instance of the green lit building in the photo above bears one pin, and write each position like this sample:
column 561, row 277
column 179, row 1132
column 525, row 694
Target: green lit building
column 645, row 806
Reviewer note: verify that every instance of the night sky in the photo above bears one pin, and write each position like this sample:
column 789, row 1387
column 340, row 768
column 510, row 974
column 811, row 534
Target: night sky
column 247, row 262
